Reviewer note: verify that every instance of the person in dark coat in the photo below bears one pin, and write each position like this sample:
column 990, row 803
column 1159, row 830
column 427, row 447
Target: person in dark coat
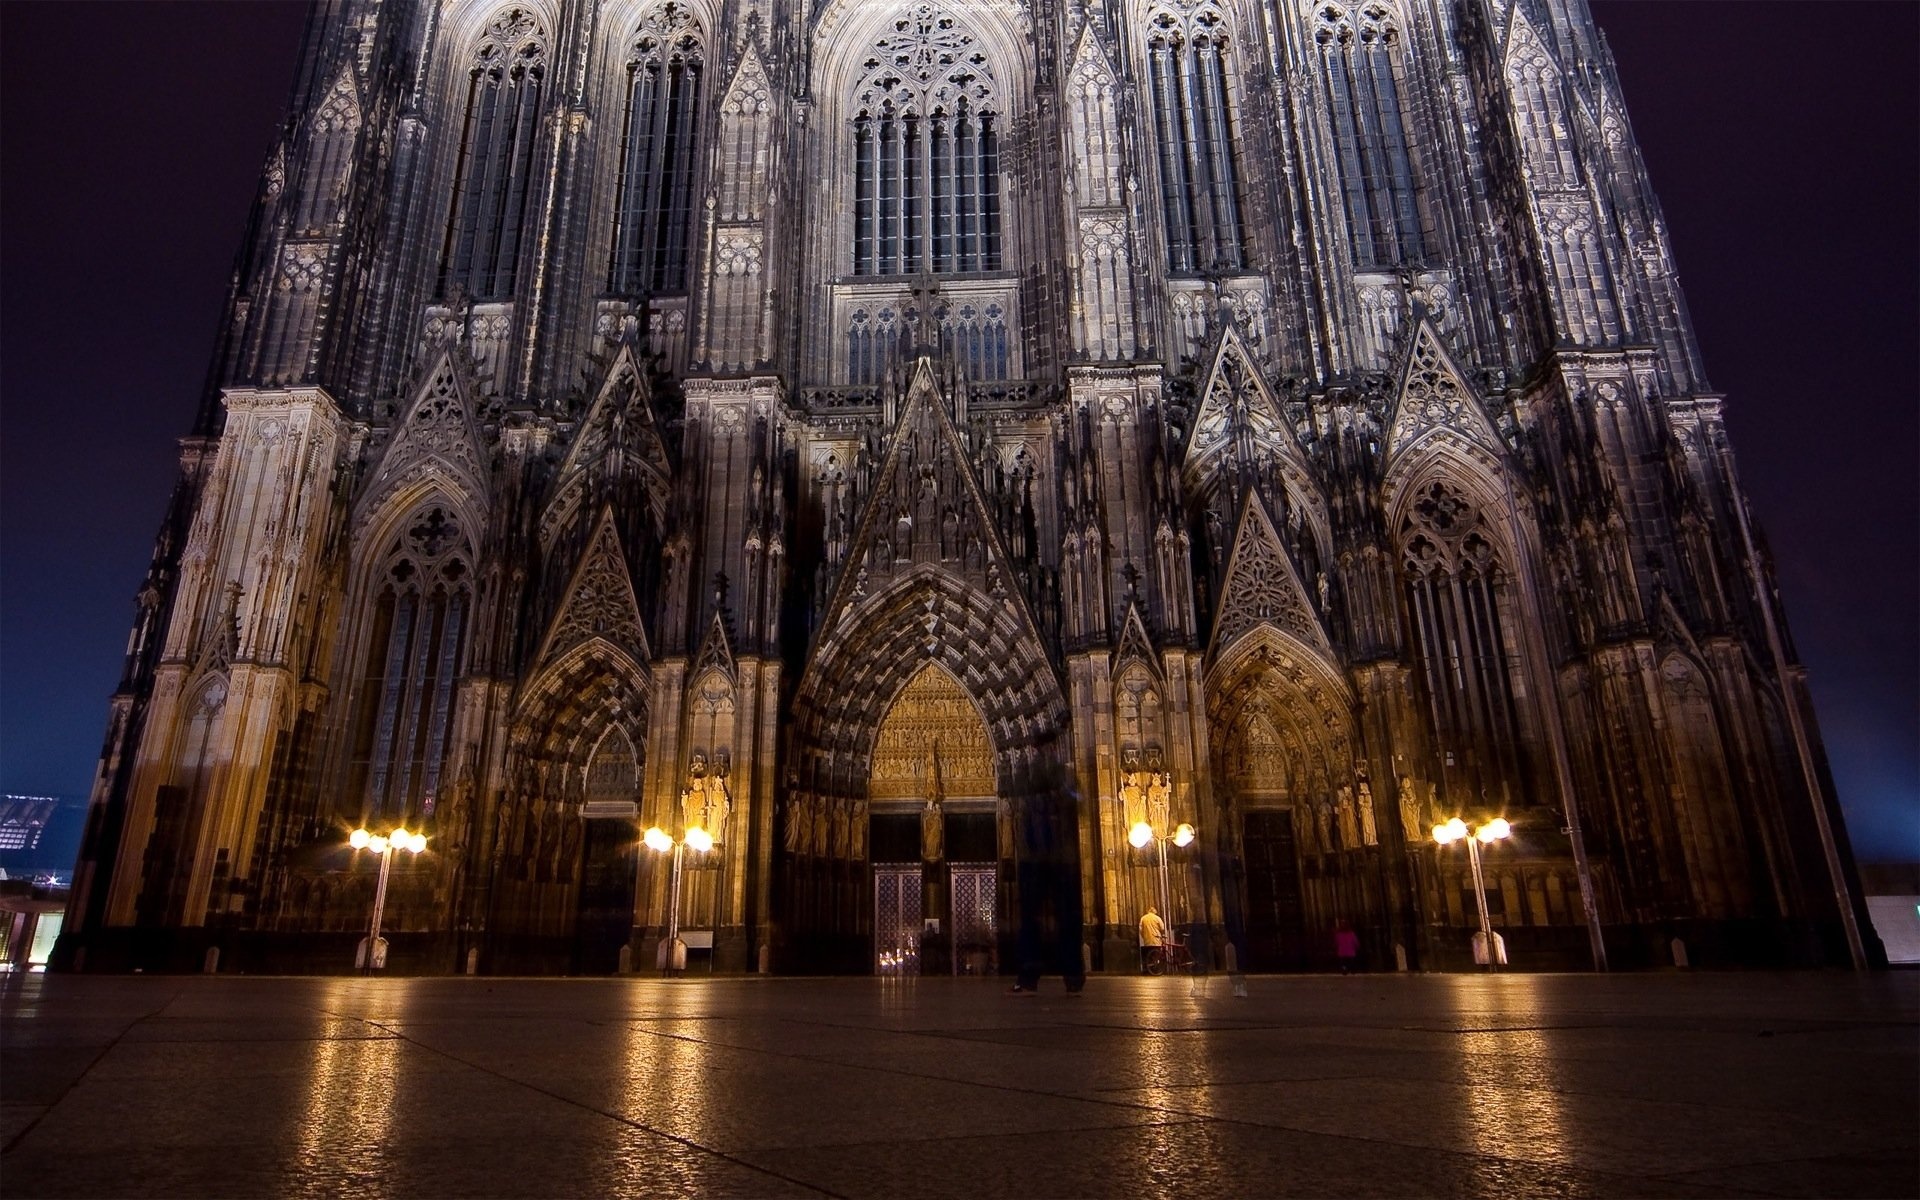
column 1047, row 870
column 1346, row 946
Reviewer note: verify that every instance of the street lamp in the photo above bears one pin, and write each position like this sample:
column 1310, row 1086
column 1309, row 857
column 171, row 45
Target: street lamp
column 1182, row 836
column 660, row 841
column 386, row 845
column 1493, row 831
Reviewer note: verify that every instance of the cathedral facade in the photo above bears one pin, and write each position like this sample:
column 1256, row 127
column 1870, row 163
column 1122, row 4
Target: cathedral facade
column 1243, row 433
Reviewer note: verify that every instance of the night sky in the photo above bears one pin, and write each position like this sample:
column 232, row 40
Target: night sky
column 1783, row 139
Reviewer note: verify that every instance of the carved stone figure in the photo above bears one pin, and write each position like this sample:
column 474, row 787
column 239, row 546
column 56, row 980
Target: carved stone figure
column 1349, row 827
column 1413, row 820
column 1160, row 802
column 1363, row 799
column 932, row 833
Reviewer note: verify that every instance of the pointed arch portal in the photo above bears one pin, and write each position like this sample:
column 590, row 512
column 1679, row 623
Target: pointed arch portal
column 1281, row 729
column 931, row 692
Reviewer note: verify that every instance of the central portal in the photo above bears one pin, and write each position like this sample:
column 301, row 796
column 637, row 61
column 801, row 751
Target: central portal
column 934, row 808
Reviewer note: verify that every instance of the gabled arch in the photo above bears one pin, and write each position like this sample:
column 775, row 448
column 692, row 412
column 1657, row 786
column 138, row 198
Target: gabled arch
column 434, row 445
column 1239, row 422
column 927, row 615
column 1274, row 699
column 564, row 708
column 618, row 438
column 599, row 603
column 1263, row 590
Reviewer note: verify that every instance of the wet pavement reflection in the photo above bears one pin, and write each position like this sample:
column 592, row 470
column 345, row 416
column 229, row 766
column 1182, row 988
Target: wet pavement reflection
column 1574, row 1085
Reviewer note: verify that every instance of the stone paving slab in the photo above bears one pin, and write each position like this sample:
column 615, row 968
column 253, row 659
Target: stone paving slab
column 1516, row 1085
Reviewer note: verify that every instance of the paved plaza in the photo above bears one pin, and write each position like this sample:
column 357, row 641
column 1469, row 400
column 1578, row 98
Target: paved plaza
column 1518, row 1085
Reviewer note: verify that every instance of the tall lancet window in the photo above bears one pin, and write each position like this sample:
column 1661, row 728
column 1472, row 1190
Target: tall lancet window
column 1359, row 53
column 1188, row 67
column 926, row 151
column 415, row 639
column 1460, row 605
column 499, row 135
column 654, row 207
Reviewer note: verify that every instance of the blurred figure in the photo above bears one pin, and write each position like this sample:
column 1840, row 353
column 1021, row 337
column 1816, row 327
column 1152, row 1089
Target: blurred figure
column 1346, row 946
column 1048, row 871
column 1153, row 936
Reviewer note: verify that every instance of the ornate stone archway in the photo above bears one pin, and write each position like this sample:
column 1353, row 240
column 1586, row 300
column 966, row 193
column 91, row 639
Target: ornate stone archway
column 1296, row 822
column 990, row 660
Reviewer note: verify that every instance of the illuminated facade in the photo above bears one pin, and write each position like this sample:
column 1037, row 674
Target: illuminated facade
column 774, row 418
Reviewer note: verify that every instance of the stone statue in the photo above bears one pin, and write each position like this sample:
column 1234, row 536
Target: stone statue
column 796, row 830
column 1349, row 830
column 1133, row 799
column 453, row 817
column 1160, row 802
column 1412, row 820
column 818, row 824
column 837, row 838
column 857, row 834
column 933, row 833
column 719, row 806
column 1369, row 831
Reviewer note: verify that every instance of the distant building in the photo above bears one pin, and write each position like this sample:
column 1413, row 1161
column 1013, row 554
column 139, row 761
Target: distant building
column 23, row 820
column 1893, row 898
column 781, row 419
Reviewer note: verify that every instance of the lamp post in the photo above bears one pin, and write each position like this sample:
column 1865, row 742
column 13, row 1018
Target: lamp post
column 1182, row 835
column 659, row 841
column 386, row 845
column 1493, row 831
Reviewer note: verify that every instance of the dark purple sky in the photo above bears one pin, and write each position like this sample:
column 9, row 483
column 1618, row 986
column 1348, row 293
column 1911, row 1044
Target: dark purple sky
column 131, row 137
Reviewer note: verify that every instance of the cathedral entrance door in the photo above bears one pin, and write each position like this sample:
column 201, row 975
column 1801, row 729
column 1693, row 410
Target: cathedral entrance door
column 605, row 916
column 1276, row 933
column 896, row 919
column 976, row 933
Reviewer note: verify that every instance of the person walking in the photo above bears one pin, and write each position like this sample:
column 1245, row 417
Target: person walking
column 1153, row 937
column 1048, row 870
column 1346, row 945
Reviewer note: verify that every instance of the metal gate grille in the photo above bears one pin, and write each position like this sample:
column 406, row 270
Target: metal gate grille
column 975, row 944
column 896, row 920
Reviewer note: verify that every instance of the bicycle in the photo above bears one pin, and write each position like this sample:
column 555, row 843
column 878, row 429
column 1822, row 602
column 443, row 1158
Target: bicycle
column 1171, row 956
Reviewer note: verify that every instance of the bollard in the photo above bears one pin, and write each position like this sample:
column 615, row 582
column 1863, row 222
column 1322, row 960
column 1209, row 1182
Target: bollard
column 1233, row 959
column 1399, row 957
column 766, row 959
column 626, row 959
column 1086, row 958
column 473, row 961
column 1679, row 954
column 211, row 964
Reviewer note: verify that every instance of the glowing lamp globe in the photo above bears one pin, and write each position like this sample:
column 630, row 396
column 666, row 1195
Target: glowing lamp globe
column 1140, row 835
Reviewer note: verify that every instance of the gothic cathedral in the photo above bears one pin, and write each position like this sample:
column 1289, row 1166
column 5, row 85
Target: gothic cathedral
column 827, row 433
